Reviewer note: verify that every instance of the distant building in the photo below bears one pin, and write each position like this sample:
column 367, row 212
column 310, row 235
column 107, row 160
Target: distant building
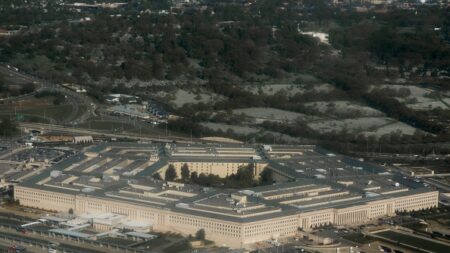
column 99, row 5
column 132, row 110
column 373, row 2
column 74, row 87
column 4, row 32
column 83, row 139
column 322, row 37
column 157, row 110
column 122, row 99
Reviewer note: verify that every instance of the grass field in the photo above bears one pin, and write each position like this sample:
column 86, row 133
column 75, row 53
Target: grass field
column 106, row 125
column 37, row 110
column 118, row 127
column 57, row 113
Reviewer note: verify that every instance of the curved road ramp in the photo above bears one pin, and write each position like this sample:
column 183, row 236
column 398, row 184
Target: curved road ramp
column 410, row 241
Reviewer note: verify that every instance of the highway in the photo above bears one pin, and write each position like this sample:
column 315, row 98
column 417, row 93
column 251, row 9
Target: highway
column 401, row 158
column 82, row 131
column 27, row 241
column 441, row 186
column 83, row 108
column 5, row 245
column 19, row 77
column 82, row 105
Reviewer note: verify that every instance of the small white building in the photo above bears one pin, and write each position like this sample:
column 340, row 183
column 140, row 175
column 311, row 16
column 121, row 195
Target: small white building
column 83, row 139
column 322, row 37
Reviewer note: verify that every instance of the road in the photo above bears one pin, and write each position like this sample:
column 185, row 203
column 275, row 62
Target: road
column 19, row 77
column 82, row 131
column 441, row 186
column 398, row 158
column 34, row 242
column 82, row 106
column 5, row 244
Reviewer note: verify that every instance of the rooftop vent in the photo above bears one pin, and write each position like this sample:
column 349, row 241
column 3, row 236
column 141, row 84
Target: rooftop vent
column 87, row 190
column 55, row 173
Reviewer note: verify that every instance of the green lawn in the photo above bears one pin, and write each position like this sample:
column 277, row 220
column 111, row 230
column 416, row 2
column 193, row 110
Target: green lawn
column 37, row 110
column 106, row 125
column 57, row 113
column 81, row 110
column 118, row 127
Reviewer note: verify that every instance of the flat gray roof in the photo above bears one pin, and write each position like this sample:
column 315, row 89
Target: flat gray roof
column 111, row 189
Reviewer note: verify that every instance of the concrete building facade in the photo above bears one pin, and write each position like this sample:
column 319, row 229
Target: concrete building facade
column 231, row 218
column 224, row 231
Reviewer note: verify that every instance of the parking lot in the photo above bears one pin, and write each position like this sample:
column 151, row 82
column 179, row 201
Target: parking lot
column 37, row 154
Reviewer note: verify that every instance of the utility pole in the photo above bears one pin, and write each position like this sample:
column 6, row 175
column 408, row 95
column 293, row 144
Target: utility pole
column 367, row 144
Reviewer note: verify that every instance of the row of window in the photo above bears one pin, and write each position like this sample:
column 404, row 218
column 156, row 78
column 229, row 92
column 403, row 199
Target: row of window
column 352, row 217
column 378, row 210
column 283, row 226
column 291, row 194
column 216, row 227
column 39, row 196
column 209, row 165
column 417, row 203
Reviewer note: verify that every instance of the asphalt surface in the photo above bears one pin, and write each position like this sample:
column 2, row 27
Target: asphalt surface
column 413, row 242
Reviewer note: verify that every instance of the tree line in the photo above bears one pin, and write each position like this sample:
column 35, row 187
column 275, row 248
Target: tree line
column 243, row 178
column 8, row 127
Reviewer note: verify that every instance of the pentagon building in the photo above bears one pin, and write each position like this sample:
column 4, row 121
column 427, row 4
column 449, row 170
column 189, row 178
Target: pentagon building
column 314, row 188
